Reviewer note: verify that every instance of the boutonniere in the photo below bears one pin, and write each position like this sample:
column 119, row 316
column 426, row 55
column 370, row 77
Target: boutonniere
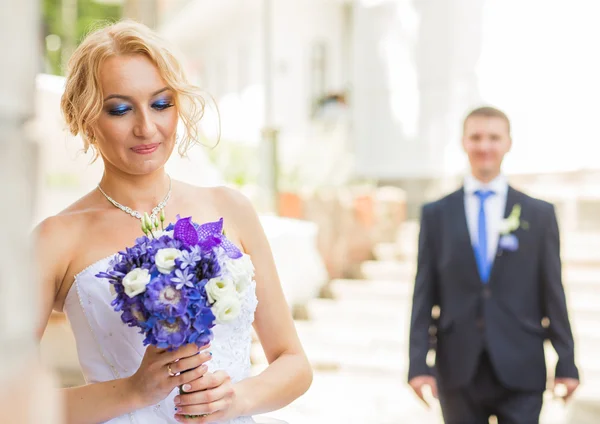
column 508, row 240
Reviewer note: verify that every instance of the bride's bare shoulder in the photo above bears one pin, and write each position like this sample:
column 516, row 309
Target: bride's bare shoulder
column 230, row 199
column 225, row 199
column 55, row 240
column 68, row 221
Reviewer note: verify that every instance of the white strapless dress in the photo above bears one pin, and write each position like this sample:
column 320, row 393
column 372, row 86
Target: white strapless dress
column 109, row 349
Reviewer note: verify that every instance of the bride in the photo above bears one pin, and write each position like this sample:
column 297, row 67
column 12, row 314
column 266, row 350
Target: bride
column 124, row 96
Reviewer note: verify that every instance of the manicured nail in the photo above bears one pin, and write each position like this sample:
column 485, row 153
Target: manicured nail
column 186, row 387
column 176, row 400
column 210, row 353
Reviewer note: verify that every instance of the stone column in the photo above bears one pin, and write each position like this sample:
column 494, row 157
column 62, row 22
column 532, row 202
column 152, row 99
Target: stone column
column 26, row 388
column 414, row 77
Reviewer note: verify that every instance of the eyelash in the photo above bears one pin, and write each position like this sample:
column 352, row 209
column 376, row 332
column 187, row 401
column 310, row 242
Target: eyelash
column 159, row 106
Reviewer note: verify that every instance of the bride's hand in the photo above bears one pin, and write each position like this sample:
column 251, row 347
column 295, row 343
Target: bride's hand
column 212, row 395
column 161, row 371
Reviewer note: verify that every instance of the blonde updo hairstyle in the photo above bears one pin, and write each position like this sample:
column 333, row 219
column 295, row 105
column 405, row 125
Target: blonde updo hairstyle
column 82, row 100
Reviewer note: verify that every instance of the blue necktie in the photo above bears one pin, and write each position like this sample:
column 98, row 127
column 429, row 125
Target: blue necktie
column 481, row 249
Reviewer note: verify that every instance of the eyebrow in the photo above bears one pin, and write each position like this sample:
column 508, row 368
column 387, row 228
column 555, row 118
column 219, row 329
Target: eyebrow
column 120, row 96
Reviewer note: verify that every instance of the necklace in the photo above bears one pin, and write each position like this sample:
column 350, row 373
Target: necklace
column 136, row 214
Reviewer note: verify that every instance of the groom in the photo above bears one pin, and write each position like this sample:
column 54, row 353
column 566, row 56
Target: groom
column 489, row 259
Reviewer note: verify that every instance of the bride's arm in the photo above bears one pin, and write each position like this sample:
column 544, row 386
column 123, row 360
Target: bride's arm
column 100, row 402
column 289, row 373
column 93, row 403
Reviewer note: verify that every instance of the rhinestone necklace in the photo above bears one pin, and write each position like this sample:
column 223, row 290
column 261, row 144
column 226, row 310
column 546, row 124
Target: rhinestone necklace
column 136, row 214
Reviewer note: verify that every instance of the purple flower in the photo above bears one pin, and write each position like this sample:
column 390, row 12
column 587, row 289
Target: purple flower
column 185, row 232
column 163, row 298
column 509, row 242
column 183, row 278
column 211, row 235
column 171, row 333
column 135, row 315
column 189, row 258
column 208, row 267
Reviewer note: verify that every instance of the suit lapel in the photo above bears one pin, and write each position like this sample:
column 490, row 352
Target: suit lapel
column 512, row 198
column 462, row 235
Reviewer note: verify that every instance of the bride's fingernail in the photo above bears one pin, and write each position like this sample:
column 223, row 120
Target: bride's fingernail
column 187, row 387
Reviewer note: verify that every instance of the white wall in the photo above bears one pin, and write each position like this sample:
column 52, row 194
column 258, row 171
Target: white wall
column 413, row 67
column 420, row 65
column 227, row 56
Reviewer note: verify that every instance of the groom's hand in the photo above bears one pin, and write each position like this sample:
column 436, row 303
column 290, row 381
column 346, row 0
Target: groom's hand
column 570, row 385
column 420, row 382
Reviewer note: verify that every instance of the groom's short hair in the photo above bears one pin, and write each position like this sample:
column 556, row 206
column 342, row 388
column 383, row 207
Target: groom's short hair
column 487, row 112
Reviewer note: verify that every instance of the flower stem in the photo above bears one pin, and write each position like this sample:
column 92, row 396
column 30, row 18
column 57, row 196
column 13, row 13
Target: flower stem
column 183, row 392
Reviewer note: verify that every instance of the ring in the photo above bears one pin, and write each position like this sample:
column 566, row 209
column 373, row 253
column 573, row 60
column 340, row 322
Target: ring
column 170, row 371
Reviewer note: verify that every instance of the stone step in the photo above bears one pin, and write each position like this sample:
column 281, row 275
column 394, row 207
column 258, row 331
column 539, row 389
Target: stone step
column 324, row 355
column 391, row 338
column 371, row 290
column 586, row 279
column 351, row 311
column 387, row 252
column 388, row 270
column 358, row 398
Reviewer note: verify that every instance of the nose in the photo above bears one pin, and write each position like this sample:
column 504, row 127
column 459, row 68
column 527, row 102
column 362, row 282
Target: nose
column 144, row 125
column 484, row 144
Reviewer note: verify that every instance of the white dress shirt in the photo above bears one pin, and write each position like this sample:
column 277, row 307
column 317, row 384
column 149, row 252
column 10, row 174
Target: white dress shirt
column 494, row 210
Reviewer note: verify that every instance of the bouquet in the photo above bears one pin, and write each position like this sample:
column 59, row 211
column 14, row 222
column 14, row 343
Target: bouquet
column 176, row 283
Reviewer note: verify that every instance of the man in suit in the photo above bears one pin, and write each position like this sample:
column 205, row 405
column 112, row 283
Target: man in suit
column 489, row 259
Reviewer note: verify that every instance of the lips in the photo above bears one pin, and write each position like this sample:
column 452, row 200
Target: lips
column 145, row 149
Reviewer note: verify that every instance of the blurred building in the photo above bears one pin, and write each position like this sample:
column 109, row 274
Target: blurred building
column 407, row 71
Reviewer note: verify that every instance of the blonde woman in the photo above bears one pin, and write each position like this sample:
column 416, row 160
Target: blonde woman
column 124, row 96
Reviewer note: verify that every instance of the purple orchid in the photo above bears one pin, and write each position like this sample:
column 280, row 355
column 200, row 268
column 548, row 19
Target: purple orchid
column 207, row 236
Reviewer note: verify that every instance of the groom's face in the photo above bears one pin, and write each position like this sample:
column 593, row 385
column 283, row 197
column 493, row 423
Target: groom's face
column 486, row 140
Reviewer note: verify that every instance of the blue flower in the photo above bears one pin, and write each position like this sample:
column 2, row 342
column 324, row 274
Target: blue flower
column 183, row 278
column 509, row 242
column 208, row 267
column 189, row 258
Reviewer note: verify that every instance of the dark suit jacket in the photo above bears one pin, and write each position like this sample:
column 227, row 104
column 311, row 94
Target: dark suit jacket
column 504, row 316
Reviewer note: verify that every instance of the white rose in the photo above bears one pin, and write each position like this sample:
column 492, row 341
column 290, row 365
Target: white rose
column 241, row 271
column 219, row 288
column 165, row 259
column 226, row 309
column 135, row 281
